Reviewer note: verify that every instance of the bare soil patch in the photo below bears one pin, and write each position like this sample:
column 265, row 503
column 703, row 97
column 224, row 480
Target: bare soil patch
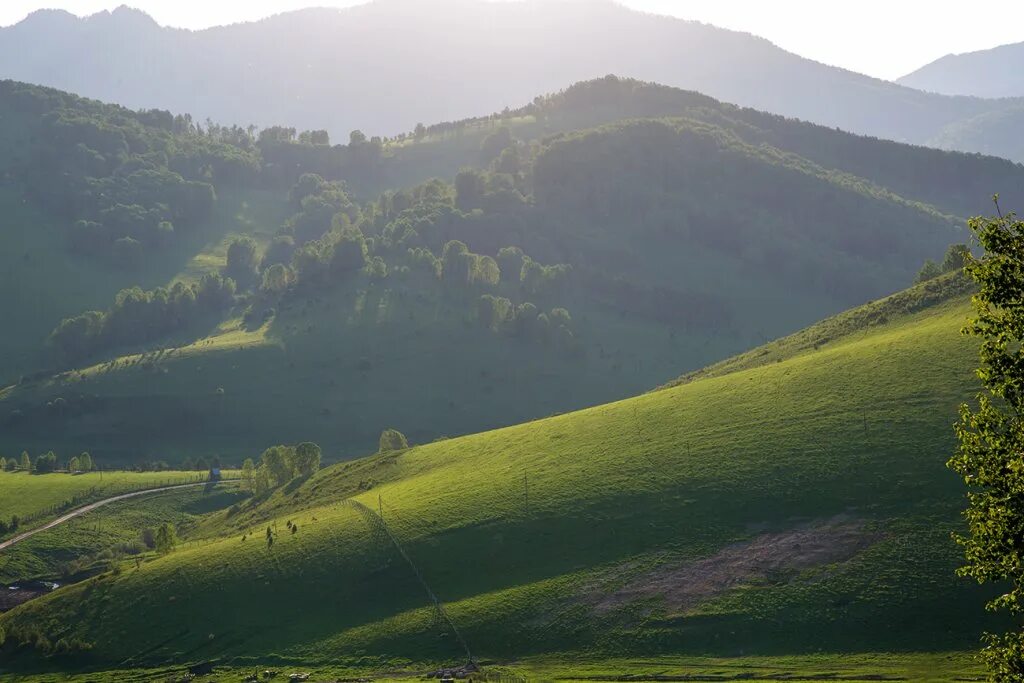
column 769, row 557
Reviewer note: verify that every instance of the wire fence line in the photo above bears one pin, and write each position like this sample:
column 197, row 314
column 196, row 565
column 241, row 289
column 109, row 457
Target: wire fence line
column 380, row 528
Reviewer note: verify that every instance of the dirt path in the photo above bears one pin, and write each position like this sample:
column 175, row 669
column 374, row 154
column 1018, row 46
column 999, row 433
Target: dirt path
column 92, row 506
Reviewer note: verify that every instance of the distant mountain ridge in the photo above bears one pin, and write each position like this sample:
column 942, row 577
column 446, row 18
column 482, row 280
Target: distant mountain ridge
column 384, row 66
column 996, row 72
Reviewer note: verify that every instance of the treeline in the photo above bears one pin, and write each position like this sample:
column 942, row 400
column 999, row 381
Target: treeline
column 46, row 463
column 140, row 316
column 526, row 321
column 126, row 182
column 280, row 464
column 955, row 259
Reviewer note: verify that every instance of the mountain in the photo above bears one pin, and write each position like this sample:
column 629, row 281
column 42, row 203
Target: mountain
column 786, row 502
column 385, row 66
column 611, row 236
column 997, row 72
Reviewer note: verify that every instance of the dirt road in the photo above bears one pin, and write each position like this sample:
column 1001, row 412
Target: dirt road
column 92, row 506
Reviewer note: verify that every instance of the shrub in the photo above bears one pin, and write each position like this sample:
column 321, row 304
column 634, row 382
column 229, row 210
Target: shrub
column 392, row 440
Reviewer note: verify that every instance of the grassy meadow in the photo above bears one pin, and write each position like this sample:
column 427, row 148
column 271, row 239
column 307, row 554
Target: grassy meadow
column 90, row 543
column 787, row 508
column 940, row 667
column 32, row 495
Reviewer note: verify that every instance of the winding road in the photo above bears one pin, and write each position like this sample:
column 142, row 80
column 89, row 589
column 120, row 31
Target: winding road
column 92, row 506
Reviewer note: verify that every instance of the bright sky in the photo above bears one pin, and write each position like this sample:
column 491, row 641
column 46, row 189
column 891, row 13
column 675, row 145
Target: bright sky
column 883, row 38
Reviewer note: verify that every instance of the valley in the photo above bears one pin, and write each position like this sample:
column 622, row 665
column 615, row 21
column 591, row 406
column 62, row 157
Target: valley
column 521, row 341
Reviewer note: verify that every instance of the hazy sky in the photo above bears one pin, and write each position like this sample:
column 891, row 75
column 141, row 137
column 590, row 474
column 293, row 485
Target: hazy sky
column 883, row 38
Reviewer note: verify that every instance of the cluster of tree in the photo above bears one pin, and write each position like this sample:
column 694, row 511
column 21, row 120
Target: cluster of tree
column 24, row 463
column 956, row 258
column 81, row 463
column 462, row 268
column 200, row 464
column 46, row 463
column 139, row 316
column 32, row 637
column 526, row 321
column 280, row 464
column 287, row 155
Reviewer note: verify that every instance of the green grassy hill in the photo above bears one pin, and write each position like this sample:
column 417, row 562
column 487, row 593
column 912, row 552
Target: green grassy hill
column 792, row 502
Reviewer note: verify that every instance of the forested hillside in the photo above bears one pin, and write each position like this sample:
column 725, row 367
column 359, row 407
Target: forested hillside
column 326, row 69
column 588, row 246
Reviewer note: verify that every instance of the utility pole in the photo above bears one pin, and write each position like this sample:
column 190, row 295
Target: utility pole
column 526, row 489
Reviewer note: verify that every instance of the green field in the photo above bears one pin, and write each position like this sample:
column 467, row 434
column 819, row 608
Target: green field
column 795, row 505
column 87, row 544
column 922, row 668
column 33, row 495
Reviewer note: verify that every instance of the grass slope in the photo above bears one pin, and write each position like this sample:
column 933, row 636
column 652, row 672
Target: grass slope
column 87, row 544
column 31, row 496
column 812, row 487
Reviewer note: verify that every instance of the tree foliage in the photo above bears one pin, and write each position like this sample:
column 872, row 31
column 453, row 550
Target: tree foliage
column 991, row 436
column 139, row 316
column 166, row 538
column 392, row 440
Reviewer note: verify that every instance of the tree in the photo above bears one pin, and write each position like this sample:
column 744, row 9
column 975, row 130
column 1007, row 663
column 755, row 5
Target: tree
column 957, row 256
column 279, row 251
column 85, row 462
column 469, row 189
column 307, row 458
column 242, row 260
column 261, row 481
column 3, row 464
column 991, row 438
column 307, row 185
column 11, row 465
column 278, row 463
column 510, row 260
column 392, row 440
column 166, row 538
column 929, row 271
column 277, row 279
column 248, row 473
column 148, row 537
column 74, row 465
column 46, row 463
column 494, row 144
column 26, row 461
column 349, row 252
